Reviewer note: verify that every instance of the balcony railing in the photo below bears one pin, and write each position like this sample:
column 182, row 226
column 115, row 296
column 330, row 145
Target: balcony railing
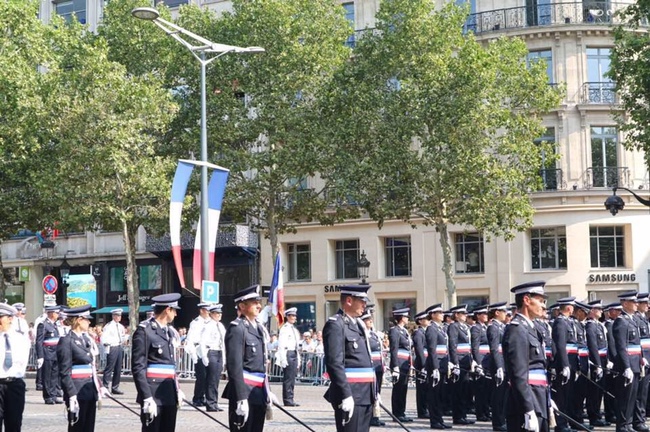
column 592, row 13
column 599, row 93
column 552, row 179
column 608, row 177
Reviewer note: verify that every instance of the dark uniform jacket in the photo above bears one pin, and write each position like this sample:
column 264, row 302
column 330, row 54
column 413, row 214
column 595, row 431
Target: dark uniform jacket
column 525, row 363
column 564, row 334
column 596, row 344
column 420, row 348
column 438, row 349
column 611, row 346
column 347, row 360
column 459, row 345
column 479, row 345
column 644, row 334
column 245, row 362
column 47, row 338
column 494, row 334
column 75, row 367
column 152, row 363
column 375, row 350
column 627, row 343
column 400, row 348
column 545, row 329
column 581, row 341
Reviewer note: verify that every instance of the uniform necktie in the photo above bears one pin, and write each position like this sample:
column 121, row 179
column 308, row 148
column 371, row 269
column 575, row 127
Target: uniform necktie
column 8, row 359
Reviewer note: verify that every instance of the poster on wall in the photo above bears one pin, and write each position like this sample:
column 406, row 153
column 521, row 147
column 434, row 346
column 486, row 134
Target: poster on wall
column 82, row 290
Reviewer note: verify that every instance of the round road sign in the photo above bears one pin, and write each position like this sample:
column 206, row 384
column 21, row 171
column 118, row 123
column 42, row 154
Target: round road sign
column 50, row 284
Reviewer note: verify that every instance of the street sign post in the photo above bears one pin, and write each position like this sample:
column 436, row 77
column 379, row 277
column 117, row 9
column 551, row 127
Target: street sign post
column 50, row 284
column 210, row 292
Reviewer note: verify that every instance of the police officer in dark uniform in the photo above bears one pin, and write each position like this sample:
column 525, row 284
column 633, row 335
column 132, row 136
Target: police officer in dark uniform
column 525, row 362
column 641, row 320
column 597, row 347
column 437, row 363
column 375, row 341
column 76, row 357
column 400, row 362
column 419, row 364
column 154, row 368
column 247, row 390
column 352, row 389
column 579, row 385
column 613, row 311
column 460, row 362
column 565, row 359
column 495, row 366
column 47, row 338
column 627, row 363
column 480, row 358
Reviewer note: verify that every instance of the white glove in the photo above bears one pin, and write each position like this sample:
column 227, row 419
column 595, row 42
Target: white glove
column 435, row 375
column 205, row 360
column 74, row 405
column 104, row 392
column 473, row 366
column 456, row 371
column 610, row 365
column 39, row 363
column 530, row 421
column 599, row 373
column 273, row 399
column 180, row 396
column 107, row 349
column 644, row 362
column 499, row 377
column 191, row 350
column 149, row 407
column 347, row 406
column 566, row 371
column 628, row 375
column 242, row 409
column 281, row 359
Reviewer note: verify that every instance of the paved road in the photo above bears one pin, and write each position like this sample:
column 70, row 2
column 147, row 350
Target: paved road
column 314, row 411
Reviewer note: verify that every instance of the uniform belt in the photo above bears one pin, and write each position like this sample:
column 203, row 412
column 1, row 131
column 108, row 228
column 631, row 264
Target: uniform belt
column 403, row 354
column 441, row 350
column 161, row 371
column 462, row 349
column 375, row 355
column 51, row 341
column 571, row 349
column 214, row 349
column 537, row 377
column 583, row 352
column 255, row 379
column 602, row 352
column 8, row 380
column 484, row 349
column 634, row 350
column 81, row 371
column 360, row 375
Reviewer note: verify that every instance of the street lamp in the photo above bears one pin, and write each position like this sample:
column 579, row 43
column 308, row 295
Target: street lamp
column 615, row 203
column 362, row 267
column 64, row 270
column 199, row 47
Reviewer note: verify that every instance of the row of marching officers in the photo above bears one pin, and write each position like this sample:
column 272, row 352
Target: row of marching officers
column 583, row 357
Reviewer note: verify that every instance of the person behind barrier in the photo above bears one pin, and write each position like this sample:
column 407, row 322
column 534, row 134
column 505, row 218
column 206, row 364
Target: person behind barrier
column 247, row 390
column 76, row 356
column 352, row 390
column 14, row 355
column 113, row 339
column 288, row 357
column 193, row 348
column 213, row 346
column 47, row 337
column 154, row 368
column 525, row 362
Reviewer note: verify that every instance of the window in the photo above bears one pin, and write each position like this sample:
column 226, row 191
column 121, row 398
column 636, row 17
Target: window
column 604, row 156
column 472, row 302
column 347, row 256
column 607, row 246
column 469, row 253
column 551, row 176
column 349, row 15
column 172, row 3
column 149, row 277
column 69, row 7
column 538, row 12
column 545, row 56
column 600, row 89
column 548, row 248
column 398, row 256
column 299, row 262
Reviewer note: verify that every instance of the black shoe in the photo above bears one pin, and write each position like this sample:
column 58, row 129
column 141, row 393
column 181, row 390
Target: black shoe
column 597, row 423
column 39, row 387
column 500, row 429
column 214, row 409
column 437, row 426
column 49, row 402
column 117, row 391
column 483, row 419
column 405, row 419
column 641, row 428
column 463, row 422
column 376, row 422
column 423, row 416
column 58, row 400
column 292, row 404
column 447, row 426
column 198, row 403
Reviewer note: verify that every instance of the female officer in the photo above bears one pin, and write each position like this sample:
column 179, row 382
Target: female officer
column 76, row 357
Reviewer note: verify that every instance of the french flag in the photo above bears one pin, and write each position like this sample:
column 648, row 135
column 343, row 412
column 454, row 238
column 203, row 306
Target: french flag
column 276, row 296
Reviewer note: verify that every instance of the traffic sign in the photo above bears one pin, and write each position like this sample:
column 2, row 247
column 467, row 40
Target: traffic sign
column 49, row 300
column 50, row 284
column 210, row 292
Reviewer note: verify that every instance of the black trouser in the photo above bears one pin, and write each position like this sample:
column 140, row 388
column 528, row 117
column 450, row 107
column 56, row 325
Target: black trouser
column 625, row 396
column 421, row 396
column 359, row 422
column 434, row 401
column 482, row 396
column 200, row 374
column 499, row 404
column 608, row 401
column 256, row 418
column 594, row 399
column 113, row 369
column 578, row 392
column 86, row 419
column 641, row 399
column 516, row 423
column 400, row 388
column 289, row 377
column 12, row 404
column 39, row 378
column 213, row 375
column 165, row 421
column 461, row 396
column 50, row 379
column 561, row 397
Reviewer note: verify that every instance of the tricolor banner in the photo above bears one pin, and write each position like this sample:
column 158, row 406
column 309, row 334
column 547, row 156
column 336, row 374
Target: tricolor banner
column 276, row 295
column 216, row 191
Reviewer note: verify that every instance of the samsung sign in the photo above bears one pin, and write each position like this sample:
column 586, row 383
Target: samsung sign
column 611, row 278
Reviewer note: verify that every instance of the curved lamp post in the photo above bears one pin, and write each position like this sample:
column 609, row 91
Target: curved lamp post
column 363, row 266
column 615, row 203
column 199, row 47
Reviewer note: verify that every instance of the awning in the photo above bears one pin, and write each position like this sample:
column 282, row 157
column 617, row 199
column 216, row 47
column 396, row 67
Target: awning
column 108, row 309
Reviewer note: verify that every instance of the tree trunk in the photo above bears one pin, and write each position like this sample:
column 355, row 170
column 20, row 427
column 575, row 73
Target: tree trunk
column 447, row 263
column 3, row 286
column 132, row 286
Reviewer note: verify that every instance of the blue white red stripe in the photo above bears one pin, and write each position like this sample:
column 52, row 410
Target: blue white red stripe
column 634, row 349
column 360, row 375
column 161, row 371
column 375, row 355
column 51, row 341
column 81, row 371
column 549, row 351
column 645, row 343
column 602, row 352
column 179, row 189
column 583, row 352
column 403, row 354
column 255, row 379
column 484, row 349
column 537, row 377
column 441, row 350
column 571, row 349
column 463, row 348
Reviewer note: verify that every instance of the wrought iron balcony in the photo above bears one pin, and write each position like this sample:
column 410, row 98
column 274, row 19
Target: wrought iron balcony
column 553, row 14
column 552, row 179
column 608, row 177
column 599, row 93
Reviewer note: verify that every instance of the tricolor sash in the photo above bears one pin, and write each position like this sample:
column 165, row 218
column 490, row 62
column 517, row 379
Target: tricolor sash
column 537, row 377
column 161, row 371
column 81, row 371
column 360, row 375
column 255, row 379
